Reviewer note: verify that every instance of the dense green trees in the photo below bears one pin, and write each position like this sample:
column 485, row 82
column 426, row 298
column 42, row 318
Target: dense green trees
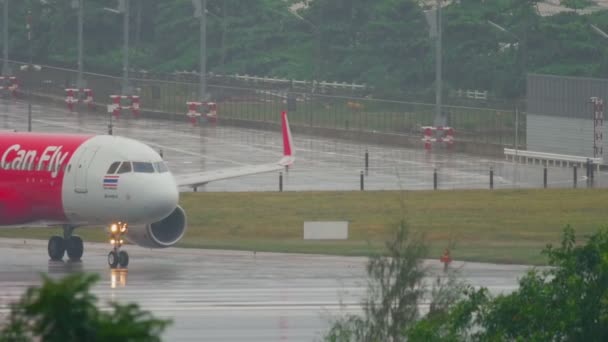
column 566, row 302
column 65, row 310
column 383, row 43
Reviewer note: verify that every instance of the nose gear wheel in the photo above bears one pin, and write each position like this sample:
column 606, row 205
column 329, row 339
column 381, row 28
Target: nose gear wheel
column 118, row 257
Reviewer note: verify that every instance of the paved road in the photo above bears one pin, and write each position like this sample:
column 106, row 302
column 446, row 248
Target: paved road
column 322, row 163
column 215, row 295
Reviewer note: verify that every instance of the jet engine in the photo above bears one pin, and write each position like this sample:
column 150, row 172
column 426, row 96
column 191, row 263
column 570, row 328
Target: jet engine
column 162, row 234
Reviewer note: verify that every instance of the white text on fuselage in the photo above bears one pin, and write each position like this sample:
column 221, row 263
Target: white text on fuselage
column 51, row 159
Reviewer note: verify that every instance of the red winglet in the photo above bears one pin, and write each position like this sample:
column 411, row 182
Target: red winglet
column 288, row 150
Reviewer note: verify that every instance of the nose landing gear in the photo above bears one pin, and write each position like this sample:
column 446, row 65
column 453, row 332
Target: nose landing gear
column 117, row 257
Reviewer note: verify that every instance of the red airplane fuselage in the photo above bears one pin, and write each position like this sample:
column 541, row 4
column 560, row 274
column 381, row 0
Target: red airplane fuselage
column 32, row 169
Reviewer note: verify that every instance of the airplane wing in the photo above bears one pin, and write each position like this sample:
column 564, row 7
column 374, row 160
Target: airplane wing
column 195, row 180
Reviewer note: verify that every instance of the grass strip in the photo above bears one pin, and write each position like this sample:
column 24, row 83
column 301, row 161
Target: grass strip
column 505, row 226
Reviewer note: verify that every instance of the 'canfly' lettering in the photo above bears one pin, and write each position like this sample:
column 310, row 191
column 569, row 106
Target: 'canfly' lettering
column 51, row 159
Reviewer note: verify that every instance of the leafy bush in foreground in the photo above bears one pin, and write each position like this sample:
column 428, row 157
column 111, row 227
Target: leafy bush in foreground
column 567, row 301
column 65, row 310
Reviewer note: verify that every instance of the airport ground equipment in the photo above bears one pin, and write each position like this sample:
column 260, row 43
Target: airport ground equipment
column 196, row 110
column 74, row 95
column 9, row 85
column 118, row 105
column 434, row 134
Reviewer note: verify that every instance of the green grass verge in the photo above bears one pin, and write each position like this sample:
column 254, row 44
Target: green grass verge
column 507, row 226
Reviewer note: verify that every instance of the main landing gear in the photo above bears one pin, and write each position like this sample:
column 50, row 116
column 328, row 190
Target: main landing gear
column 116, row 257
column 72, row 244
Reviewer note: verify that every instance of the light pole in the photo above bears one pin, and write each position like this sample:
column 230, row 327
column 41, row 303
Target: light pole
column 317, row 32
column 200, row 11
column 125, row 56
column 28, row 26
column 524, row 57
column 599, row 31
column 6, row 70
column 435, row 22
column 79, row 5
column 524, row 68
column 123, row 8
column 440, row 120
column 29, row 68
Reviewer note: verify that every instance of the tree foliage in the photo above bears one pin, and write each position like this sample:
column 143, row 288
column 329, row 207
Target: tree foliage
column 65, row 310
column 383, row 43
column 395, row 290
column 566, row 302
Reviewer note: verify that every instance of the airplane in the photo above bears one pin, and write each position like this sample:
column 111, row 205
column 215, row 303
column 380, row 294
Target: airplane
column 78, row 180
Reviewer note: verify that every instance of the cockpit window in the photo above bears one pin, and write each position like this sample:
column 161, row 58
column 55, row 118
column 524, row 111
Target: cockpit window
column 161, row 167
column 113, row 168
column 143, row 167
column 125, row 167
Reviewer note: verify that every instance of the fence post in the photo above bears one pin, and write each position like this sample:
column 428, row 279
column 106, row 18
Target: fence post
column 491, row 178
column 435, row 179
column 589, row 170
column 361, row 180
column 29, row 116
column 280, row 181
column 574, row 177
column 366, row 162
column 545, row 177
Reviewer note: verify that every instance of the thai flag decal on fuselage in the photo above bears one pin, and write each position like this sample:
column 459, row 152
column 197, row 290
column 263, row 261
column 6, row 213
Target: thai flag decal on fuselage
column 110, row 182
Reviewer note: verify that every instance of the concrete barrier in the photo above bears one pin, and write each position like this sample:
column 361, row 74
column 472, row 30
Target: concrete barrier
column 548, row 159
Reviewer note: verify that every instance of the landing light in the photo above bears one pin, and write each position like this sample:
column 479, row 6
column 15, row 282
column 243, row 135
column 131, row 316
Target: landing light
column 112, row 241
column 114, row 228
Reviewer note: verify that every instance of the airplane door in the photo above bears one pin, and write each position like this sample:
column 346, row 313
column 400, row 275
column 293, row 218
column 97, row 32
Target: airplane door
column 82, row 167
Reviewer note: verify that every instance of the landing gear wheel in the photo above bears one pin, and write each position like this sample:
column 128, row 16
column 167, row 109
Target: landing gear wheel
column 74, row 248
column 56, row 248
column 123, row 259
column 116, row 256
column 113, row 259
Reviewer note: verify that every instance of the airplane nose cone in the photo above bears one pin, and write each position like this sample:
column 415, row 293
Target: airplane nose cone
column 161, row 199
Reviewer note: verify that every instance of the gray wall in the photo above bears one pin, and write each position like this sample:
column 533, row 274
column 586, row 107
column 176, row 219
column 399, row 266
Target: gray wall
column 560, row 135
column 559, row 114
column 563, row 96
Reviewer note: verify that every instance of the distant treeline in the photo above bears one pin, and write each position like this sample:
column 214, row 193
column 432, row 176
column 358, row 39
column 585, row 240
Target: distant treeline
column 383, row 43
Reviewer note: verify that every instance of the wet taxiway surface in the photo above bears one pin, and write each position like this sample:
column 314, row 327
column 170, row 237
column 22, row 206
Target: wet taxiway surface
column 217, row 295
column 322, row 163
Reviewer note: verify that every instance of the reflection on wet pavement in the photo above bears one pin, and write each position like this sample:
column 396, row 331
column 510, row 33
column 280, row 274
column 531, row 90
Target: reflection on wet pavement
column 225, row 295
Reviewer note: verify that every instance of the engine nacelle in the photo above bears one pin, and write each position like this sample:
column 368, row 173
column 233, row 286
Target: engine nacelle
column 162, row 234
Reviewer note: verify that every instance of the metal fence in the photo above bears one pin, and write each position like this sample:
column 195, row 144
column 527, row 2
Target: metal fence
column 311, row 109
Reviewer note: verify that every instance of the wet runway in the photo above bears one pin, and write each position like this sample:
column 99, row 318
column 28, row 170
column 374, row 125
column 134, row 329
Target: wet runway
column 321, row 164
column 214, row 295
